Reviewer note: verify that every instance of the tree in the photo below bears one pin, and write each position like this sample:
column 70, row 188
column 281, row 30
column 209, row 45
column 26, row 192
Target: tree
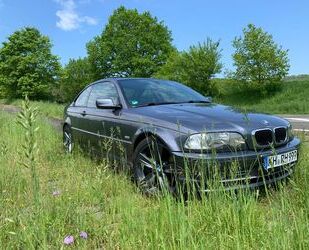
column 259, row 61
column 132, row 44
column 27, row 66
column 194, row 67
column 75, row 76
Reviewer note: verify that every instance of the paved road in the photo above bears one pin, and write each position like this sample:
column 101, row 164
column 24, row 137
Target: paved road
column 299, row 122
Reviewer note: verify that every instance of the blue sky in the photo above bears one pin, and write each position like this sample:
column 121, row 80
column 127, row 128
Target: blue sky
column 72, row 23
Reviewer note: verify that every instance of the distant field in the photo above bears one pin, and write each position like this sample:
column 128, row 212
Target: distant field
column 49, row 109
column 292, row 99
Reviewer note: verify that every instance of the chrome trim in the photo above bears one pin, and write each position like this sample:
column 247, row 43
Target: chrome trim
column 286, row 135
column 273, row 131
column 255, row 144
column 101, row 136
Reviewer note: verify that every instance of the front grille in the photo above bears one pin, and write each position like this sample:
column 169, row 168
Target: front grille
column 280, row 135
column 263, row 137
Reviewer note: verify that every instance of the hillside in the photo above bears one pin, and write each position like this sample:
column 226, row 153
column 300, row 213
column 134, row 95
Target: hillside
column 293, row 98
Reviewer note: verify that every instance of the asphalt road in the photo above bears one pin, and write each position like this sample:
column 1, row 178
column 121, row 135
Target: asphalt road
column 299, row 122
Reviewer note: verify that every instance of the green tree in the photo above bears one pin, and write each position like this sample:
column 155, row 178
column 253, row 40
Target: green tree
column 131, row 44
column 259, row 61
column 27, row 66
column 75, row 76
column 194, row 67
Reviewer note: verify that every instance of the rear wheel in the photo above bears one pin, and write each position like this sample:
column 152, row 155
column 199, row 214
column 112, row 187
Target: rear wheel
column 153, row 167
column 68, row 139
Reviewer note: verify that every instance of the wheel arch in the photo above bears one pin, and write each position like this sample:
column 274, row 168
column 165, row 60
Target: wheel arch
column 168, row 139
column 67, row 122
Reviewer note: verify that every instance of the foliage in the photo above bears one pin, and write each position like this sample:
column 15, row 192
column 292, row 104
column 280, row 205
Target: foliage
column 27, row 66
column 293, row 78
column 194, row 67
column 131, row 45
column 27, row 119
column 76, row 75
column 259, row 61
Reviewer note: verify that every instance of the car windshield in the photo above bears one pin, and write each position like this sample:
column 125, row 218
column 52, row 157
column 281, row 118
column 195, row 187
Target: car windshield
column 146, row 92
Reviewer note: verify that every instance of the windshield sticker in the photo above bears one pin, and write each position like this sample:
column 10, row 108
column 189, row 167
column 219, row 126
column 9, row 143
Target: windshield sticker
column 134, row 102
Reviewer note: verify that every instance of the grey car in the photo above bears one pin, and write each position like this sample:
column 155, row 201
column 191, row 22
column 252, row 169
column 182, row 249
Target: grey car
column 166, row 130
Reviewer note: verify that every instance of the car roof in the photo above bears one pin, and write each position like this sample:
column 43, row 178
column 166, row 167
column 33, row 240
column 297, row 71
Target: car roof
column 127, row 78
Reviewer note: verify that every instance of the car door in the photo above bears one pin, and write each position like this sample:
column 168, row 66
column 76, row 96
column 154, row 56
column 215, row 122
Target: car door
column 77, row 113
column 102, row 123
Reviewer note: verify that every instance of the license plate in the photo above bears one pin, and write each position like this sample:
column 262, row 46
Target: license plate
column 279, row 160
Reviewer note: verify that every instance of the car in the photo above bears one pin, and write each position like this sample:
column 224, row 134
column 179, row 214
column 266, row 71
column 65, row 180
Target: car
column 166, row 130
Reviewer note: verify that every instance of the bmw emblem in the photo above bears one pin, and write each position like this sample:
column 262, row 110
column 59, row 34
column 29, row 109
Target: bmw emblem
column 265, row 122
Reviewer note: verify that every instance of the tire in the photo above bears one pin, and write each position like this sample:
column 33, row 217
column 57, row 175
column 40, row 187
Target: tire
column 152, row 167
column 68, row 139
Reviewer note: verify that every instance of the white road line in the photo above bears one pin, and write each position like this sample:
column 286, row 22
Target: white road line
column 297, row 119
column 301, row 130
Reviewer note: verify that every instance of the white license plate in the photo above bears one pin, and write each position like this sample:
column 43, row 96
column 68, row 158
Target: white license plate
column 279, row 160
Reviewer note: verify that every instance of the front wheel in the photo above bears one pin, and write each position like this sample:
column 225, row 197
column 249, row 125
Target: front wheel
column 153, row 167
column 67, row 139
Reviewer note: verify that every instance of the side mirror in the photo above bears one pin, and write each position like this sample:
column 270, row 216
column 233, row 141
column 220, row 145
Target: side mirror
column 209, row 98
column 107, row 103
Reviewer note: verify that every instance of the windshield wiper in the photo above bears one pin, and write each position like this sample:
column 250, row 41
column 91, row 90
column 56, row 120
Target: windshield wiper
column 199, row 101
column 155, row 104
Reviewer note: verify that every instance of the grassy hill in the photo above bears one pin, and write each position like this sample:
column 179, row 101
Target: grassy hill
column 293, row 98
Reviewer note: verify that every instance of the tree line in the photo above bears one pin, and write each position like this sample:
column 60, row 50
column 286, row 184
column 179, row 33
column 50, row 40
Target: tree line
column 134, row 44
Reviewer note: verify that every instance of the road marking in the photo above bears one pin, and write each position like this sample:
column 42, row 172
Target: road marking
column 297, row 119
column 301, row 130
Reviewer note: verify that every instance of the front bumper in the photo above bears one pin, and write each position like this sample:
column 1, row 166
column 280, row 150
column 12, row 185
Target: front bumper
column 233, row 170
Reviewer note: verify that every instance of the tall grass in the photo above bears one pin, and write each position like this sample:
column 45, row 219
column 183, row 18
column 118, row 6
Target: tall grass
column 45, row 108
column 291, row 99
column 77, row 194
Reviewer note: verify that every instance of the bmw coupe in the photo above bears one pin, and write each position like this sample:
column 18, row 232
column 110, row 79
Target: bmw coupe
column 165, row 127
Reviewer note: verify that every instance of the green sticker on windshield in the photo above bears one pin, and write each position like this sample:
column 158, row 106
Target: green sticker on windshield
column 134, row 102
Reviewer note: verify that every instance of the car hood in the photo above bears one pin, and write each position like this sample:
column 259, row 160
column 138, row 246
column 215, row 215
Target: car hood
column 207, row 117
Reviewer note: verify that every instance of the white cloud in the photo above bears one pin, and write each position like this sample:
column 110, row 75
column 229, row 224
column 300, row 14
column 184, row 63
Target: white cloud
column 69, row 19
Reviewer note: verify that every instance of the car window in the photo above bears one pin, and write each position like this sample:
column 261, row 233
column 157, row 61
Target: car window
column 142, row 91
column 83, row 98
column 102, row 90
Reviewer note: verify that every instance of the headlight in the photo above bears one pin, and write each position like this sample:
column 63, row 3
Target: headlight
column 206, row 141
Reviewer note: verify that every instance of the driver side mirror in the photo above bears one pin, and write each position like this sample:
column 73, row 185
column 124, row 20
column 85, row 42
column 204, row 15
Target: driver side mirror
column 209, row 98
column 107, row 103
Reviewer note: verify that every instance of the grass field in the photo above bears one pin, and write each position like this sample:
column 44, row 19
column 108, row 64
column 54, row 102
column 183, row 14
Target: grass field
column 49, row 109
column 293, row 98
column 77, row 194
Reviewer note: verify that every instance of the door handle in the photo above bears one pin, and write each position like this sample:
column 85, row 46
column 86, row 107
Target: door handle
column 84, row 113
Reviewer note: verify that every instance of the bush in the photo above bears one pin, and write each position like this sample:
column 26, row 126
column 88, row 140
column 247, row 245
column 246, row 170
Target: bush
column 195, row 67
column 27, row 66
column 259, row 61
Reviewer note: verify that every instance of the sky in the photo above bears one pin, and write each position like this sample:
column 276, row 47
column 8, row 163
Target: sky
column 70, row 24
